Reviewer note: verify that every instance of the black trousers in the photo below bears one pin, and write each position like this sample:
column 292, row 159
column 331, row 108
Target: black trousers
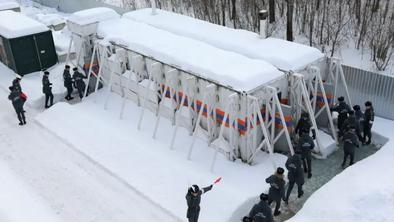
column 48, row 98
column 290, row 188
column 307, row 163
column 194, row 217
column 367, row 133
column 20, row 113
column 69, row 91
column 277, row 204
column 348, row 154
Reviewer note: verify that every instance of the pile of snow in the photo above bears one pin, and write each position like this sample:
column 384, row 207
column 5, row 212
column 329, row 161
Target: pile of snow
column 363, row 192
column 18, row 202
column 21, row 25
column 148, row 165
column 93, row 15
column 8, row 5
column 328, row 144
column 280, row 53
column 50, row 19
column 227, row 68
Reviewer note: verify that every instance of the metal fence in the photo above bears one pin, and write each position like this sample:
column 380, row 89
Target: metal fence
column 377, row 88
column 71, row 6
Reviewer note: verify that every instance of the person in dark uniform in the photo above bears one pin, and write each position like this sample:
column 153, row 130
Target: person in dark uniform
column 343, row 109
column 17, row 103
column 369, row 117
column 277, row 189
column 295, row 174
column 359, row 117
column 47, row 89
column 305, row 124
column 305, row 146
column 261, row 212
column 78, row 81
column 68, row 82
column 351, row 122
column 350, row 142
column 193, row 199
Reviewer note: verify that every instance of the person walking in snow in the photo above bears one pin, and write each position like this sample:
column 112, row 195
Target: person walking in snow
column 47, row 89
column 79, row 83
column 351, row 122
column 369, row 117
column 295, row 175
column 193, row 199
column 277, row 189
column 350, row 142
column 261, row 212
column 68, row 82
column 17, row 102
column 305, row 146
column 304, row 124
column 343, row 109
column 359, row 117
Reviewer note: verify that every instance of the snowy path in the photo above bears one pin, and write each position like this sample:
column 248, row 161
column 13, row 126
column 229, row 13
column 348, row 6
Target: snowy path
column 74, row 188
column 323, row 170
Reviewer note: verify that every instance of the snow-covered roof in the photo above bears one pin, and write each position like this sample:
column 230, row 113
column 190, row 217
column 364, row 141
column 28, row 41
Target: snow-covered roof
column 280, row 53
column 228, row 68
column 14, row 25
column 93, row 15
column 6, row 5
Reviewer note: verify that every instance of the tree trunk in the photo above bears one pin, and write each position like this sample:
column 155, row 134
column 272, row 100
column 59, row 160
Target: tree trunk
column 290, row 9
column 272, row 10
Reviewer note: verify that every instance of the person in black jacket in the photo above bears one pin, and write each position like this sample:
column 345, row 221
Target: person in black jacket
column 17, row 103
column 359, row 117
column 79, row 83
column 343, row 109
column 369, row 117
column 47, row 89
column 350, row 142
column 351, row 122
column 193, row 199
column 305, row 146
column 68, row 82
column 277, row 189
column 261, row 212
column 295, row 175
column 305, row 125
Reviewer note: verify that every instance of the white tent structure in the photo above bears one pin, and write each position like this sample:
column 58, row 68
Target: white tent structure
column 319, row 76
column 228, row 99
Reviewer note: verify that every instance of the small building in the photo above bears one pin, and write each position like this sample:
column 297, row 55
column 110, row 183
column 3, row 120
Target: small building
column 9, row 5
column 26, row 45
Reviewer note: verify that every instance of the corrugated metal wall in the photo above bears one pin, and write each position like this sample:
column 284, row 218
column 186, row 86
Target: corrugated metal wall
column 364, row 85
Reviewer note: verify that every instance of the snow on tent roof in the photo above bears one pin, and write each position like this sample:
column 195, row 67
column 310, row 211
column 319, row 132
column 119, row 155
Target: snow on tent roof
column 6, row 5
column 14, row 25
column 280, row 53
column 93, row 15
column 227, row 68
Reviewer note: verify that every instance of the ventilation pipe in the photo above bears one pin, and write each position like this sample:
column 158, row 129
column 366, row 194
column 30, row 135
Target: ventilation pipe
column 153, row 4
column 263, row 14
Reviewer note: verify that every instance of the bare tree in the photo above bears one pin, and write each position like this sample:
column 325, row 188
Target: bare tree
column 289, row 16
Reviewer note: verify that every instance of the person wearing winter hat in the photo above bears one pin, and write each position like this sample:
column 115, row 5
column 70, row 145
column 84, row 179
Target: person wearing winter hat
column 295, row 174
column 343, row 109
column 68, row 82
column 304, row 124
column 277, row 189
column 47, row 89
column 350, row 142
column 78, row 81
column 261, row 212
column 369, row 117
column 16, row 83
column 351, row 122
column 193, row 199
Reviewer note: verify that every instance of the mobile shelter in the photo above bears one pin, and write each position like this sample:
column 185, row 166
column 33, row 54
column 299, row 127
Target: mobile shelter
column 312, row 78
column 197, row 86
column 26, row 45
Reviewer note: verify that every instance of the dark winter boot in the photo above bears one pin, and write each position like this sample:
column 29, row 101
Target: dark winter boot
column 20, row 123
column 309, row 175
column 300, row 194
column 277, row 213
